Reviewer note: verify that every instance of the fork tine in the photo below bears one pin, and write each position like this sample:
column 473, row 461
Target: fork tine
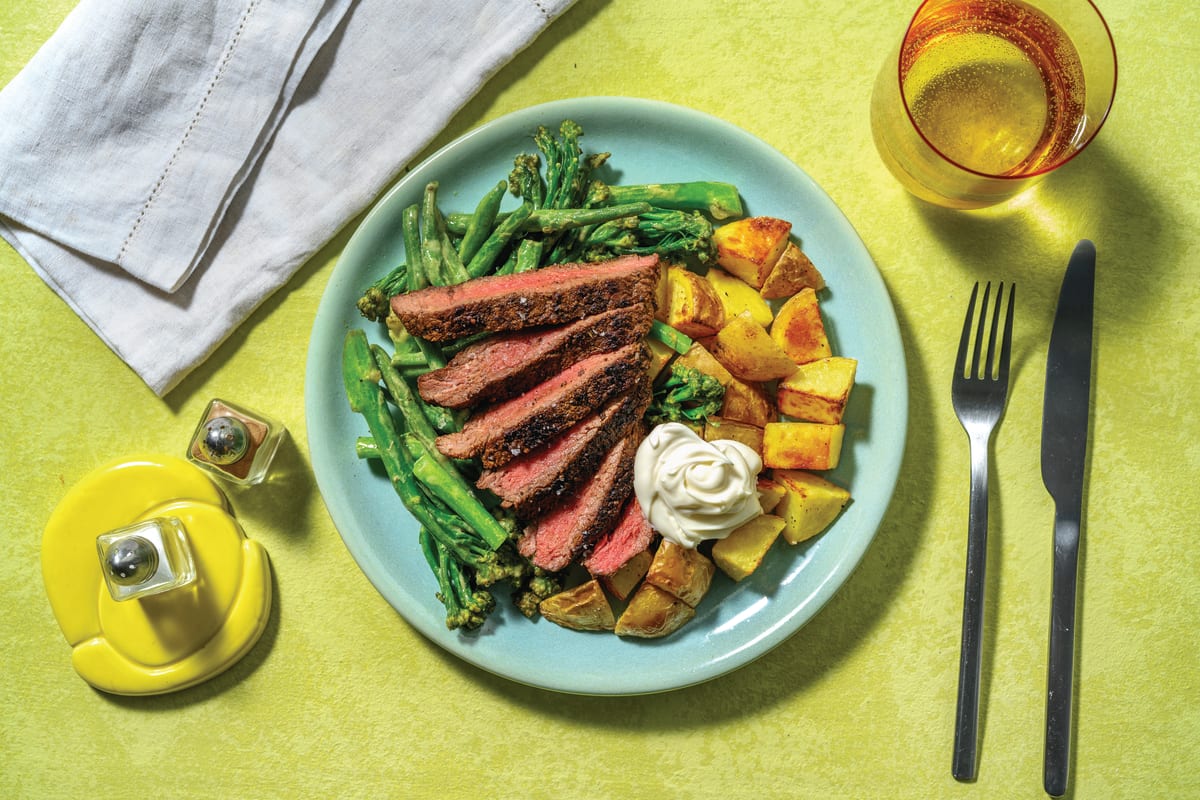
column 983, row 305
column 1006, row 344
column 991, row 348
column 960, row 362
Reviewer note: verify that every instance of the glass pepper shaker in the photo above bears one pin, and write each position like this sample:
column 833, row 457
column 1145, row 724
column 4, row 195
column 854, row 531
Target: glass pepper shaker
column 235, row 443
column 146, row 558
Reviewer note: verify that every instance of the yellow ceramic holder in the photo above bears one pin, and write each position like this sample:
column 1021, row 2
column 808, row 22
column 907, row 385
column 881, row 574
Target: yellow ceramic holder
column 170, row 640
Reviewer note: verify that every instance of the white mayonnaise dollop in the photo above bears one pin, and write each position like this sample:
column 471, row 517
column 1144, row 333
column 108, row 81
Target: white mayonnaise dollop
column 692, row 490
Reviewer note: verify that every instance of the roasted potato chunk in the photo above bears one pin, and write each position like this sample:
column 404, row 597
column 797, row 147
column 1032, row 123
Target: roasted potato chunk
column 622, row 582
column 737, row 296
column 682, row 571
column 810, row 503
column 653, row 613
column 749, row 247
column 770, row 492
column 817, row 391
column 748, row 403
column 660, row 355
column 742, row 551
column 582, row 608
column 698, row 357
column 802, row 445
column 692, row 305
column 746, row 350
column 799, row 330
column 792, row 272
column 719, row 428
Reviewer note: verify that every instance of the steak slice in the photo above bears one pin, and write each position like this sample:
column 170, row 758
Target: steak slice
column 501, row 432
column 556, row 538
column 631, row 536
column 538, row 480
column 549, row 296
column 508, row 364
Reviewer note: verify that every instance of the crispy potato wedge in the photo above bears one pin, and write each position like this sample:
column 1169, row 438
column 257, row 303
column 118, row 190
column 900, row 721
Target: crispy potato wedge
column 738, row 296
column 799, row 330
column 653, row 613
column 582, row 608
column 746, row 350
column 742, row 551
column 698, row 357
column 749, row 403
column 817, row 391
column 719, row 428
column 802, row 445
column 791, row 273
column 692, row 305
column 682, row 571
column 810, row 504
column 622, row 582
column 749, row 247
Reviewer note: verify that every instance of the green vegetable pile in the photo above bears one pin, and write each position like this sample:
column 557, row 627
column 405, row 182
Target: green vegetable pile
column 567, row 214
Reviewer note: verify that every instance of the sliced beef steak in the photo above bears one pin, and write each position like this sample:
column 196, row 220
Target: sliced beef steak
column 533, row 483
column 548, row 296
column 557, row 538
column 501, row 432
column 508, row 364
column 631, row 536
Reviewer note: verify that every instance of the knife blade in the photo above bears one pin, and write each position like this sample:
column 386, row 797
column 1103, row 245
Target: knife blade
column 1064, row 455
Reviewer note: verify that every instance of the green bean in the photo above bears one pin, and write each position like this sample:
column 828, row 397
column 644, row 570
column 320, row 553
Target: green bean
column 479, row 225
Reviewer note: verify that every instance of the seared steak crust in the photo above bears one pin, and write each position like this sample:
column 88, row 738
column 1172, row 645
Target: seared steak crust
column 532, row 483
column 549, row 296
column 501, row 432
column 509, row 364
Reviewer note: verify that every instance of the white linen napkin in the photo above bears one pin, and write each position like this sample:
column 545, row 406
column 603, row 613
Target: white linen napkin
column 165, row 165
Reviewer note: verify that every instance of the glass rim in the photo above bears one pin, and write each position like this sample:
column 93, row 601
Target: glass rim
column 1024, row 176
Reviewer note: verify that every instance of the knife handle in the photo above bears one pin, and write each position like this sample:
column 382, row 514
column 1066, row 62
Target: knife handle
column 1061, row 672
column 966, row 716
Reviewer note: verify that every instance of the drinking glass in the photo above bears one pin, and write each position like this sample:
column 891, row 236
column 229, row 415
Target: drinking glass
column 984, row 97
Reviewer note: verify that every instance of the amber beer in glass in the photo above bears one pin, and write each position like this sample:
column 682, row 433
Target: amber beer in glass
column 983, row 97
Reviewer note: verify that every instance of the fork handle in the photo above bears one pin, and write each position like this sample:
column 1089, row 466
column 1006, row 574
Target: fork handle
column 966, row 721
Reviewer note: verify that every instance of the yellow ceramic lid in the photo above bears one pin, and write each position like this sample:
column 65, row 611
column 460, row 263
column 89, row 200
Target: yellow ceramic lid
column 168, row 641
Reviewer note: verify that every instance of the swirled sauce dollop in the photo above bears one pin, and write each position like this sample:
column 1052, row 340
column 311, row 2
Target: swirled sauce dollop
column 691, row 489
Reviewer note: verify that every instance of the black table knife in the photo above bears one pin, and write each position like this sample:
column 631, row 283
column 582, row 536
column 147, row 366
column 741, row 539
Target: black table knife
column 1064, row 453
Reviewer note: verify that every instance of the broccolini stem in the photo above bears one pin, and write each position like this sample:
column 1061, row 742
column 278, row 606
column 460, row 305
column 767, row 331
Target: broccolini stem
column 674, row 338
column 718, row 200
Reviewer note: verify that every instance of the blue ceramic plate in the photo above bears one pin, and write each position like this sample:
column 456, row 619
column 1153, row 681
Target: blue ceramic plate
column 736, row 623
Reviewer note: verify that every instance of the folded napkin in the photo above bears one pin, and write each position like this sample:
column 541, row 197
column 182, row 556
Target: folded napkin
column 165, row 165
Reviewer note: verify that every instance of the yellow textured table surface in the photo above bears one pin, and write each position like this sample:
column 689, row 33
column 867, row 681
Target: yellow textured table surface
column 342, row 698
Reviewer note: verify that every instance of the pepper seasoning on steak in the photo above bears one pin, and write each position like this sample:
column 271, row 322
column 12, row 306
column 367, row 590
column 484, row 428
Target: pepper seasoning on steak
column 549, row 296
column 508, row 364
column 499, row 433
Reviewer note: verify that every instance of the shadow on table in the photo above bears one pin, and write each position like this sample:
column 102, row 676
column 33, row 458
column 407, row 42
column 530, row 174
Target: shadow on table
column 1030, row 238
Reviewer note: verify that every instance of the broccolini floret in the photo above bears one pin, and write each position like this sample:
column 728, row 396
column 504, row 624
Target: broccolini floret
column 687, row 395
